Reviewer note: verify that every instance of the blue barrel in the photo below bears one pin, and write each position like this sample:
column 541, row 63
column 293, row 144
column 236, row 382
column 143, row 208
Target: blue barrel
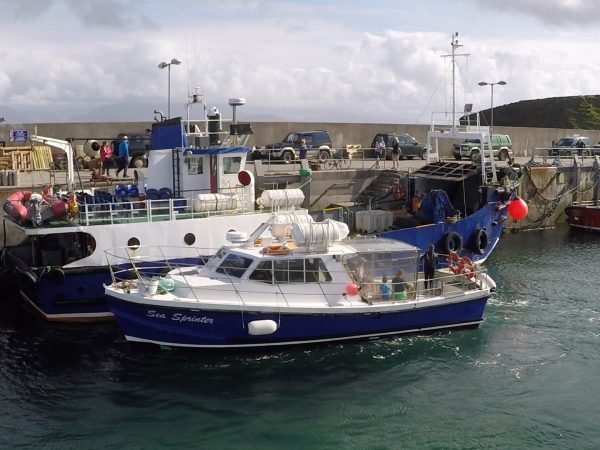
column 121, row 193
column 151, row 194
column 132, row 190
column 165, row 193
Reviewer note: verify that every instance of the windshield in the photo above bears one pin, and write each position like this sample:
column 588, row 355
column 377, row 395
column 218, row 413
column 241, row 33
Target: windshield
column 565, row 142
column 471, row 141
column 292, row 138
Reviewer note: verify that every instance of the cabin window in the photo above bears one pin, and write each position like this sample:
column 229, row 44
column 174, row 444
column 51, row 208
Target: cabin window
column 316, row 272
column 195, row 164
column 263, row 272
column 311, row 270
column 189, row 238
column 234, row 265
column 232, row 164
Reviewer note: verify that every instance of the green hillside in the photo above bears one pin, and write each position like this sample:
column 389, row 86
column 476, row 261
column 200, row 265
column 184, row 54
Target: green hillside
column 559, row 112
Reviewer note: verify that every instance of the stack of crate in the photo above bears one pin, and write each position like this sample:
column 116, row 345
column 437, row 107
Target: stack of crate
column 353, row 151
column 35, row 157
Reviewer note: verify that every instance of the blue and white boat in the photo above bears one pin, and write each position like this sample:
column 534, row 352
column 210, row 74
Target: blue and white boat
column 191, row 194
column 455, row 206
column 293, row 281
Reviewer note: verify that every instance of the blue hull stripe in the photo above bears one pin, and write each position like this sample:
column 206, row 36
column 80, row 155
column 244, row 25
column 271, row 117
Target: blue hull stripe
column 203, row 328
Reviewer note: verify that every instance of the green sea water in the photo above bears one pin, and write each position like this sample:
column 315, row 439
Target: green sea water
column 528, row 377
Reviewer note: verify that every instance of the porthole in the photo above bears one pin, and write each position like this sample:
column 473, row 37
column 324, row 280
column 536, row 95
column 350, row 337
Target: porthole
column 189, row 238
column 133, row 243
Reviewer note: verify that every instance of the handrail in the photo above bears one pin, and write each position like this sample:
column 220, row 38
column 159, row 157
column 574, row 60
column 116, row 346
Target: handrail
column 126, row 265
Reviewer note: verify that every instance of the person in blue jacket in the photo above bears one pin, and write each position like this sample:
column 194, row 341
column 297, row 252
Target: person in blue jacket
column 123, row 159
column 385, row 289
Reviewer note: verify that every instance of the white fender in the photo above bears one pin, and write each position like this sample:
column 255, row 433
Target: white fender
column 487, row 280
column 261, row 327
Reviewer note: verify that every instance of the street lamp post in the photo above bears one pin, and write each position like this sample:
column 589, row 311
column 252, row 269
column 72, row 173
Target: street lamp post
column 499, row 83
column 168, row 65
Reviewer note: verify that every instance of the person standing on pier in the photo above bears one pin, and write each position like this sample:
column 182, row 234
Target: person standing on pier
column 303, row 149
column 380, row 151
column 105, row 157
column 123, row 156
column 396, row 154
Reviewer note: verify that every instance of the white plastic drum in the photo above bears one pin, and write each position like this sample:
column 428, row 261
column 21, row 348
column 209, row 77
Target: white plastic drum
column 319, row 233
column 214, row 202
column 282, row 224
column 285, row 198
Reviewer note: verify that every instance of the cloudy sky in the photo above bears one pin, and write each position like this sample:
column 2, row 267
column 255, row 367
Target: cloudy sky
column 304, row 60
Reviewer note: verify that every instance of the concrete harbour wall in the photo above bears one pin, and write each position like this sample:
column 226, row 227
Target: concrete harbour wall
column 524, row 139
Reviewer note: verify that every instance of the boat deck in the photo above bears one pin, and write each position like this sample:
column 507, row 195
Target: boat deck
column 221, row 295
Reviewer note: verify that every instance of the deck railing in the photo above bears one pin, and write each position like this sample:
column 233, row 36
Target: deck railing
column 143, row 268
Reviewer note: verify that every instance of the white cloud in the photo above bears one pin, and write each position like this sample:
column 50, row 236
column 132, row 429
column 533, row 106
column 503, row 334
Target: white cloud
column 325, row 61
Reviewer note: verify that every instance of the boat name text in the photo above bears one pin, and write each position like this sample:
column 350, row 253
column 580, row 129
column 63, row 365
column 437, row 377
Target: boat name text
column 178, row 317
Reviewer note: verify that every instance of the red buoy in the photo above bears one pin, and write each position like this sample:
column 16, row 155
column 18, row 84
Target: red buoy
column 352, row 289
column 517, row 209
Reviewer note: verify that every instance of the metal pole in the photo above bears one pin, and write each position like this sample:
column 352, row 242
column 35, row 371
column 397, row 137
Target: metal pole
column 169, row 93
column 492, row 113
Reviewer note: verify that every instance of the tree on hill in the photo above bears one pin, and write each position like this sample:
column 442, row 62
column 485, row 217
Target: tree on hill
column 557, row 112
column 585, row 116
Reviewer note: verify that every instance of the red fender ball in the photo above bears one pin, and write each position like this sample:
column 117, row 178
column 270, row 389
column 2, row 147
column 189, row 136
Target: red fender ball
column 517, row 209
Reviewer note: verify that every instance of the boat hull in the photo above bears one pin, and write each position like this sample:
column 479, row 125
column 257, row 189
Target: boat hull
column 490, row 219
column 583, row 217
column 209, row 328
column 72, row 294
column 65, row 295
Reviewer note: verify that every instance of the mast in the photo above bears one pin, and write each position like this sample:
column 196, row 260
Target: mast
column 454, row 44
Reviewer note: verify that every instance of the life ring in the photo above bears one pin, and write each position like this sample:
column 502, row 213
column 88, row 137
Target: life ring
column 278, row 250
column 480, row 241
column 467, row 268
column 55, row 276
column 398, row 192
column 453, row 262
column 452, row 243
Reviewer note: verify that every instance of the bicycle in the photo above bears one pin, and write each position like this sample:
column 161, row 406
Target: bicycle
column 338, row 162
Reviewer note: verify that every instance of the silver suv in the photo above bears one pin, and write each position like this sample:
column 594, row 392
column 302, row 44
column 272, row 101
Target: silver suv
column 572, row 145
column 318, row 143
column 470, row 148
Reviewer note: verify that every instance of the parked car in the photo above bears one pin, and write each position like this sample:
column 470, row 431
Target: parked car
column 318, row 143
column 470, row 148
column 572, row 145
column 138, row 148
column 409, row 146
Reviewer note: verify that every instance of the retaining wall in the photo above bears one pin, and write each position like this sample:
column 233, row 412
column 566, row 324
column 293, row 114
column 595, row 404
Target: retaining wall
column 524, row 139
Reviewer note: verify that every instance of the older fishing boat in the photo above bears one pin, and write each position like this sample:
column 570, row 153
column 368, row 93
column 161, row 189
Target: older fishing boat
column 195, row 188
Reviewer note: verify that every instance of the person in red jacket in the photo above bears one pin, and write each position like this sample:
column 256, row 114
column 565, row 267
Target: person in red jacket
column 105, row 159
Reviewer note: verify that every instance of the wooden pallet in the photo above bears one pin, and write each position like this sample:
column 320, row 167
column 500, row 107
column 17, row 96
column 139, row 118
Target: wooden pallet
column 42, row 157
column 26, row 158
column 5, row 162
column 22, row 160
column 353, row 151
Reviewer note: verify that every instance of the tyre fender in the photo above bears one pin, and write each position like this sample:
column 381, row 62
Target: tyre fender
column 55, row 276
column 480, row 241
column 452, row 243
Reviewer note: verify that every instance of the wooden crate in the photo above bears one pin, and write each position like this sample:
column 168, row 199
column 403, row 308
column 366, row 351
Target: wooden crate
column 37, row 157
column 353, row 151
column 22, row 160
column 42, row 157
column 5, row 162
